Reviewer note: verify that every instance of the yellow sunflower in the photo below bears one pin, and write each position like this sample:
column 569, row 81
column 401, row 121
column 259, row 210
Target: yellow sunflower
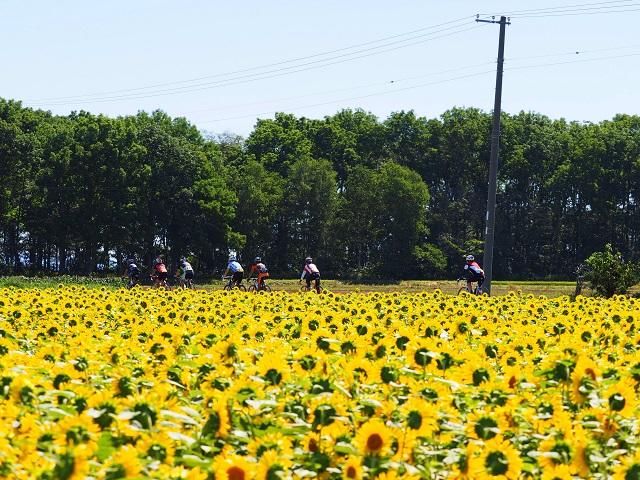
column 629, row 468
column 374, row 438
column 499, row 459
column 557, row 472
column 621, row 398
column 555, row 451
column 352, row 469
column 233, row 467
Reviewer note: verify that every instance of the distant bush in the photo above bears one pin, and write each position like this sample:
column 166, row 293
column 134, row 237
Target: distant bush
column 609, row 274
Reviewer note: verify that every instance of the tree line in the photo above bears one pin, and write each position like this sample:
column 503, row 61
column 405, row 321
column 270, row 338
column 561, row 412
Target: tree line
column 403, row 197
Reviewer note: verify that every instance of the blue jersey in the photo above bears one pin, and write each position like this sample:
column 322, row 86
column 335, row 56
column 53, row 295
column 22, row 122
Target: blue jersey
column 235, row 267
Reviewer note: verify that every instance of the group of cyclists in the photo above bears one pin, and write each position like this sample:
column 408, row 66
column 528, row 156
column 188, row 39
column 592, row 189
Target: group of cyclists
column 160, row 273
column 234, row 273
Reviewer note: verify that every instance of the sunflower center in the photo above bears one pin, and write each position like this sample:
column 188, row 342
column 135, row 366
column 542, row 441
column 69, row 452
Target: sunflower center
column 564, row 451
column 351, row 472
column 374, row 442
column 486, row 428
column 235, row 473
column 414, row 420
column 496, row 463
column 633, row 473
column 617, row 402
column 313, row 445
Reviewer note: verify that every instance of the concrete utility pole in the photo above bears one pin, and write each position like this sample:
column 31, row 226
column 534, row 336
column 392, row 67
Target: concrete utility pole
column 493, row 165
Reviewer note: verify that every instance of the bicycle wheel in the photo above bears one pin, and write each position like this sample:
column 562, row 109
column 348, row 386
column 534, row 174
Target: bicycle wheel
column 252, row 289
column 241, row 287
column 462, row 290
column 227, row 287
column 266, row 288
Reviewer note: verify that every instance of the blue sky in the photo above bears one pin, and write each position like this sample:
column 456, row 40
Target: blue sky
column 54, row 52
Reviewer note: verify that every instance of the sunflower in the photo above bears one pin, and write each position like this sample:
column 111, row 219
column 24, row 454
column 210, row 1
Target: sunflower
column 557, row 472
column 352, row 469
column 484, row 425
column 621, row 398
column 555, row 451
column 499, row 459
column 374, row 438
column 230, row 466
column 629, row 469
column 394, row 475
column 272, row 465
column 81, row 455
column 127, row 458
column 419, row 417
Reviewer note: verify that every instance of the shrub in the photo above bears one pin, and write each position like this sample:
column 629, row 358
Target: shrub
column 608, row 273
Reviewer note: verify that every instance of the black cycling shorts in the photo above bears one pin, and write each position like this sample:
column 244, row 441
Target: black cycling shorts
column 188, row 275
column 237, row 277
column 162, row 275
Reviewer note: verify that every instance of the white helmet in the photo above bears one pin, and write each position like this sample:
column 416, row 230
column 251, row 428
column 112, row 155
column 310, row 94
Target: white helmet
column 232, row 258
column 470, row 258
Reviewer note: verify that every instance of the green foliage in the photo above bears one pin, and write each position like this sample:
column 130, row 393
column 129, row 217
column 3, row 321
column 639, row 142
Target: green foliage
column 609, row 274
column 402, row 197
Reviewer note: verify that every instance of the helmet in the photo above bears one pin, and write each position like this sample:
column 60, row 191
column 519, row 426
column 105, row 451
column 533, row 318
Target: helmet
column 183, row 259
column 308, row 260
column 130, row 260
column 158, row 259
column 232, row 258
column 470, row 258
column 257, row 260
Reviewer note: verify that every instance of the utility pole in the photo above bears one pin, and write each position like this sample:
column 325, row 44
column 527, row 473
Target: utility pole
column 493, row 163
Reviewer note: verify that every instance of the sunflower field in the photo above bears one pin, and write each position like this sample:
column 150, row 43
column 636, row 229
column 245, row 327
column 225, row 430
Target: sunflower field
column 110, row 384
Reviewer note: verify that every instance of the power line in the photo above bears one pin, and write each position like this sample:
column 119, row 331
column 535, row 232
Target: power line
column 574, row 52
column 440, row 72
column 251, row 77
column 355, row 87
column 582, row 60
column 283, row 62
column 608, row 4
column 579, row 14
column 359, row 97
column 412, row 87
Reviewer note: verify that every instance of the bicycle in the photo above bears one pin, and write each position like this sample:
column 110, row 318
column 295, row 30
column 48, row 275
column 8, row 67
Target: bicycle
column 185, row 283
column 131, row 281
column 254, row 287
column 158, row 283
column 230, row 285
column 316, row 287
column 465, row 288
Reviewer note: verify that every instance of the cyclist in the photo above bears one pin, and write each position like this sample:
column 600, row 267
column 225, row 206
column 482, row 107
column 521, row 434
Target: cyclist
column 310, row 273
column 160, row 272
column 235, row 269
column 185, row 271
column 260, row 268
column 473, row 273
column 133, row 272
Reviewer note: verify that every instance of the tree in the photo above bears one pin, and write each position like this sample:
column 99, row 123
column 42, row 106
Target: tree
column 404, row 201
column 609, row 274
column 311, row 201
column 260, row 196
